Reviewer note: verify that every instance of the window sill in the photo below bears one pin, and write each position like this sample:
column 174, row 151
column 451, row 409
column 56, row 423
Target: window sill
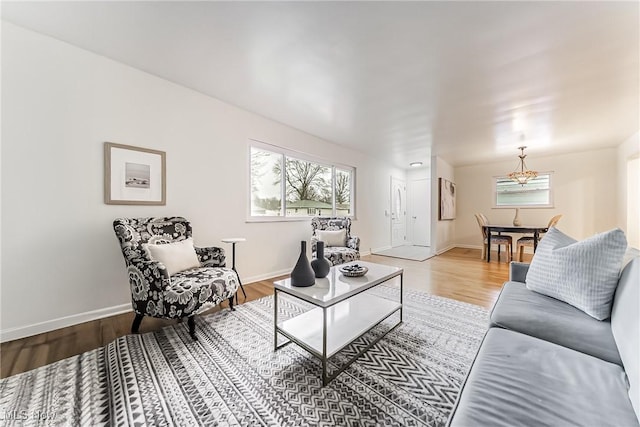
column 524, row 207
column 288, row 219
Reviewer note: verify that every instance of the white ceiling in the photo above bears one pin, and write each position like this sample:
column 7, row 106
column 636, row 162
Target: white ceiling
column 400, row 80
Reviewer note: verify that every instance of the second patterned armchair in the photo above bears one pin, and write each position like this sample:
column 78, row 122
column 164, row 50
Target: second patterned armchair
column 169, row 277
column 339, row 245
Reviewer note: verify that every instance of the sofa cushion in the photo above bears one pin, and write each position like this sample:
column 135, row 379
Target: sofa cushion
column 518, row 380
column 583, row 274
column 537, row 315
column 625, row 324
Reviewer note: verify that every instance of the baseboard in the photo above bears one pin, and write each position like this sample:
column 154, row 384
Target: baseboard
column 448, row 248
column 75, row 319
column 258, row 278
column 62, row 322
column 478, row 247
column 384, row 248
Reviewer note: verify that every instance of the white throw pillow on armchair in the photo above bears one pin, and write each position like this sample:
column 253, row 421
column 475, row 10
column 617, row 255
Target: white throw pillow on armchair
column 332, row 237
column 176, row 256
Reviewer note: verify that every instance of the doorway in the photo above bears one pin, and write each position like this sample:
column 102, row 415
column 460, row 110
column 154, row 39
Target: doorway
column 398, row 212
column 419, row 208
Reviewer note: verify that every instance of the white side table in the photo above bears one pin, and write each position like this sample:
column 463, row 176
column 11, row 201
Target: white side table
column 233, row 241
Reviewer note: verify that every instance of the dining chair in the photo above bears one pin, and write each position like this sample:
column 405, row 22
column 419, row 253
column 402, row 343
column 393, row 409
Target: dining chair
column 528, row 240
column 499, row 240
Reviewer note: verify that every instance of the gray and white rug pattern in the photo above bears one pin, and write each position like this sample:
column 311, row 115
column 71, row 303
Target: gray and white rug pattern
column 231, row 375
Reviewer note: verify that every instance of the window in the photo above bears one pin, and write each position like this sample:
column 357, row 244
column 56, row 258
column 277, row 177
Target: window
column 537, row 193
column 292, row 185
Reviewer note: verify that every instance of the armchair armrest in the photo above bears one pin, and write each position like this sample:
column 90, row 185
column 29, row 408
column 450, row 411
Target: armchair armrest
column 314, row 241
column 211, row 256
column 353, row 242
column 518, row 271
column 154, row 273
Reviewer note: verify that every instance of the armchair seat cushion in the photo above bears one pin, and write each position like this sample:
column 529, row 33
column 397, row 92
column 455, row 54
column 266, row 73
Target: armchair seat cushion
column 339, row 255
column 196, row 290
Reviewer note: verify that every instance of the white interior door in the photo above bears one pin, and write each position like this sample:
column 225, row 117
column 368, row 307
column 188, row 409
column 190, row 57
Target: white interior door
column 398, row 212
column 419, row 207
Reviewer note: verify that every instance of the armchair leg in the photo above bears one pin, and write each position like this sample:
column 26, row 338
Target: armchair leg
column 136, row 323
column 231, row 304
column 192, row 327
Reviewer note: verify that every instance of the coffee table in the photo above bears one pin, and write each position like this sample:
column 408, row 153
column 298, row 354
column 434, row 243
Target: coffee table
column 343, row 313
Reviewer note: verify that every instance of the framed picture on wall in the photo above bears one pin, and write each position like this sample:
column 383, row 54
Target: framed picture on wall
column 134, row 175
column 447, row 197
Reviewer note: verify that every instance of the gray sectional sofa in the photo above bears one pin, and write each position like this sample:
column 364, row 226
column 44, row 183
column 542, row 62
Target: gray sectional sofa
column 545, row 362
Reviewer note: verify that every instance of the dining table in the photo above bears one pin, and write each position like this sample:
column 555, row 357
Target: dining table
column 520, row 229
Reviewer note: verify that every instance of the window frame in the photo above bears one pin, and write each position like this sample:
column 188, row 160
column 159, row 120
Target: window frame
column 285, row 152
column 551, row 204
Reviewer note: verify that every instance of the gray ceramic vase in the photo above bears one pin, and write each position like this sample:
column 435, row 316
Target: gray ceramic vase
column 320, row 265
column 302, row 274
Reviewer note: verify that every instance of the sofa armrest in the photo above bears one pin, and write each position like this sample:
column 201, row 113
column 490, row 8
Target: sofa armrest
column 314, row 243
column 211, row 256
column 518, row 271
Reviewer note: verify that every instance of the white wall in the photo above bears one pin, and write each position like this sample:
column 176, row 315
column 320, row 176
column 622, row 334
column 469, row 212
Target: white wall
column 585, row 193
column 61, row 263
column 629, row 199
column 444, row 231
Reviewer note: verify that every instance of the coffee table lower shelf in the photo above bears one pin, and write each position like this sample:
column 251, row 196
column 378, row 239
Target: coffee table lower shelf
column 323, row 332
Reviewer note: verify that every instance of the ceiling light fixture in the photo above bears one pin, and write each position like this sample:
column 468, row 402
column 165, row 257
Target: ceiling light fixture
column 523, row 175
column 415, row 164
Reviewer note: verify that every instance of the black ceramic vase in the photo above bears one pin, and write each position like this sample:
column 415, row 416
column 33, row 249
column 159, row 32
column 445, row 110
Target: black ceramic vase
column 320, row 265
column 302, row 274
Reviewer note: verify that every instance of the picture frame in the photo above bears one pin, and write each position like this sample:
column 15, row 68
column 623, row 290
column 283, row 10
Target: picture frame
column 134, row 175
column 447, row 198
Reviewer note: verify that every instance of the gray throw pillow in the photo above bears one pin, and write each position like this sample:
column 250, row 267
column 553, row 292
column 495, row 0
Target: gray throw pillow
column 583, row 274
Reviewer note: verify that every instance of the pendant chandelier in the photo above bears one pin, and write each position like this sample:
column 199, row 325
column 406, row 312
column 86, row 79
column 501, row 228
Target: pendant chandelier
column 521, row 174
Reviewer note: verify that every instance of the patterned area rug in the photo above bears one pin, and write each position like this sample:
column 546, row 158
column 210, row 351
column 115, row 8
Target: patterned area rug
column 232, row 376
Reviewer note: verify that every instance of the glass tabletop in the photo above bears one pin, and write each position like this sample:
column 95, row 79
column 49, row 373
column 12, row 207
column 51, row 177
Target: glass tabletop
column 337, row 287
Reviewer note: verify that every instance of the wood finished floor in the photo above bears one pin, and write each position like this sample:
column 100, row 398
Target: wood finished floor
column 458, row 274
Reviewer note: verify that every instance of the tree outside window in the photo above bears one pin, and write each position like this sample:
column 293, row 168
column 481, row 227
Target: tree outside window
column 309, row 188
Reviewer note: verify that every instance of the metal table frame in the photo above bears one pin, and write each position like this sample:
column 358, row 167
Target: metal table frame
column 326, row 379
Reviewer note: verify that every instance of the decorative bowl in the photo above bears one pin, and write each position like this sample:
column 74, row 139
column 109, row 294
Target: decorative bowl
column 354, row 270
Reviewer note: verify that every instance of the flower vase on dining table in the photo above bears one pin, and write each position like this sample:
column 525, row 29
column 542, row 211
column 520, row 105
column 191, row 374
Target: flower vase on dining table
column 516, row 219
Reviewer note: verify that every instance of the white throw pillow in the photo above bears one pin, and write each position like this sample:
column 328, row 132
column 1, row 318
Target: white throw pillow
column 176, row 257
column 333, row 237
column 583, row 274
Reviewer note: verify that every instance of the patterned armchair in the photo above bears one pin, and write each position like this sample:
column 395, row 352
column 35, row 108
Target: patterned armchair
column 184, row 294
column 350, row 251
